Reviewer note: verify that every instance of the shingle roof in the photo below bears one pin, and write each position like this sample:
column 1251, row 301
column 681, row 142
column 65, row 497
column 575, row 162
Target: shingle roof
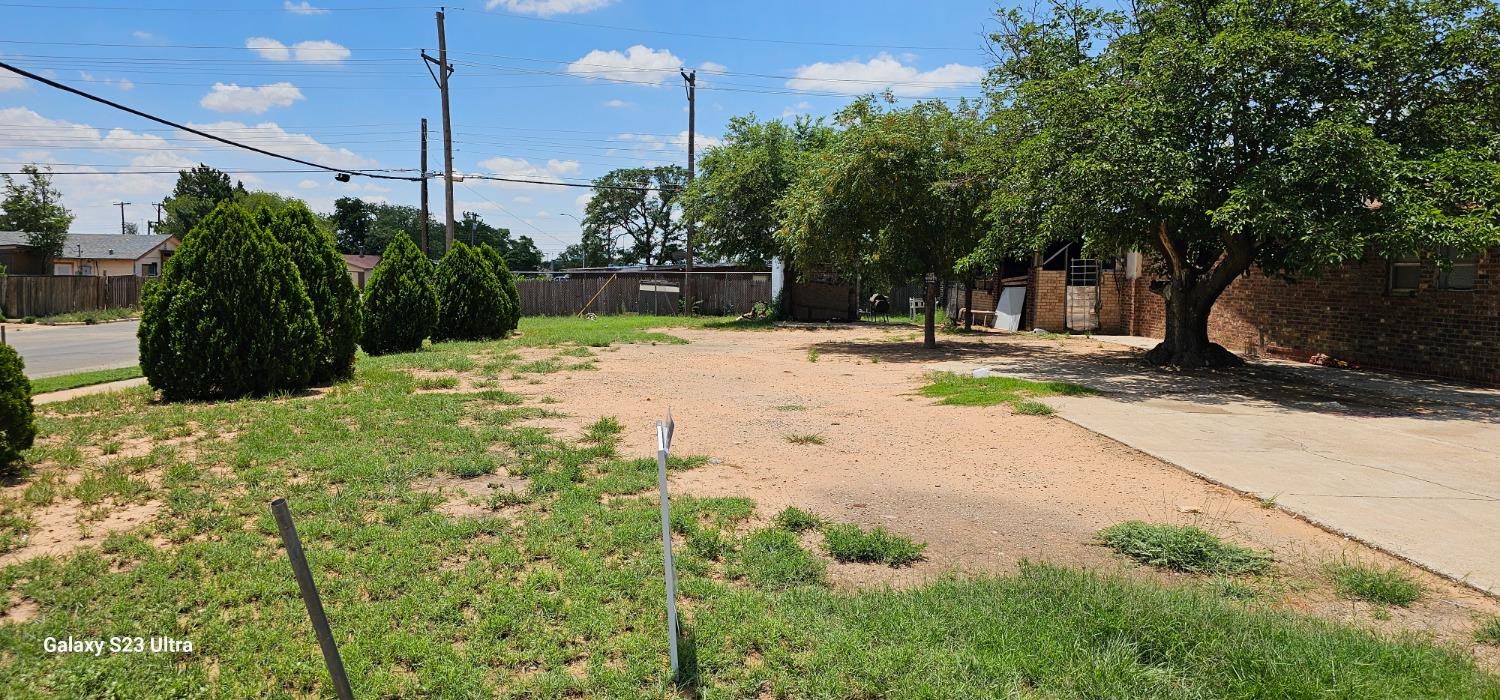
column 97, row 246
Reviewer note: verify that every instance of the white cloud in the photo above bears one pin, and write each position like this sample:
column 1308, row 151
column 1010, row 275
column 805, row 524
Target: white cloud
column 255, row 100
column 521, row 199
column 711, row 67
column 271, row 137
column 302, row 8
column 638, row 64
column 308, row 184
column 269, row 49
column 547, row 8
column 796, row 109
column 321, row 51
column 11, row 81
column 145, row 36
column 123, row 84
column 880, row 73
column 618, row 104
column 658, row 150
column 521, row 168
column 582, row 200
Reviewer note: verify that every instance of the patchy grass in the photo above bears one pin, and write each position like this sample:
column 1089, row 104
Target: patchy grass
column 559, row 594
column 791, row 407
column 806, row 439
column 1183, row 548
column 89, row 317
column 964, row 390
column 434, row 383
column 849, row 543
column 73, row 381
column 813, row 355
column 605, row 330
column 1371, row 583
column 796, row 520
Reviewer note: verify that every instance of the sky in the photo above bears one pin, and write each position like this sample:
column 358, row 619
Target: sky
column 555, row 90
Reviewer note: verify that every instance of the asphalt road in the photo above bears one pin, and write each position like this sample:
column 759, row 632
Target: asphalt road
column 50, row 350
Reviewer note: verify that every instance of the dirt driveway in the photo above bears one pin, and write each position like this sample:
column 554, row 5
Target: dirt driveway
column 983, row 487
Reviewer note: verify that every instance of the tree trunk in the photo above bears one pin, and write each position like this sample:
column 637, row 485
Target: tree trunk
column 968, row 306
column 929, row 331
column 1186, row 345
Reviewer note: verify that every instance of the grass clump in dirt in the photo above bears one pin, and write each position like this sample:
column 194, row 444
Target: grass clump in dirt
column 964, row 390
column 794, row 519
column 806, row 439
column 1488, row 632
column 772, row 559
column 1032, row 408
column 850, row 543
column 1183, row 548
column 1373, row 584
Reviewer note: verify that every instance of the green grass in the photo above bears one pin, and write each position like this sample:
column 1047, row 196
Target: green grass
column 557, row 592
column 73, row 381
column 89, row 317
column 797, row 520
column 1028, row 407
column 607, row 330
column 1183, row 548
column 965, row 390
column 1374, row 584
column 850, row 543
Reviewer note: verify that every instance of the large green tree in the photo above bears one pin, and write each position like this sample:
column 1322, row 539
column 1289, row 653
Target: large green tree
column 634, row 214
column 733, row 200
column 889, row 197
column 353, row 220
column 1224, row 135
column 32, row 206
column 198, row 191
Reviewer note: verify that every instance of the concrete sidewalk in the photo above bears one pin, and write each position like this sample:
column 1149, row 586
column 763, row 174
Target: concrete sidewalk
column 1411, row 466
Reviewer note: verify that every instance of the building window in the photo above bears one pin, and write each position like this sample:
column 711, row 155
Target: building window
column 86, row 269
column 1461, row 273
column 1406, row 273
column 148, row 269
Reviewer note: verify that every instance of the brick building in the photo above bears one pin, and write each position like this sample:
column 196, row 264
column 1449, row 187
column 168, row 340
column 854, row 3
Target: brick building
column 1404, row 315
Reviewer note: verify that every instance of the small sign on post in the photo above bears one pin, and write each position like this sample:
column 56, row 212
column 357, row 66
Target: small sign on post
column 663, row 444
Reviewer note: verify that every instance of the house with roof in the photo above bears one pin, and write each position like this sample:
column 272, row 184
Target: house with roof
column 97, row 255
column 360, row 267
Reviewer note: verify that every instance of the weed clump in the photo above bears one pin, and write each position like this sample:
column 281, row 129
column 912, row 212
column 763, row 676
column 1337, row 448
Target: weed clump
column 796, row 520
column 1373, row 584
column 772, row 559
column 1183, row 548
column 849, row 543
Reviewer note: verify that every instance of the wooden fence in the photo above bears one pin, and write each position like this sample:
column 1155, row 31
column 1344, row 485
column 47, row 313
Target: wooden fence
column 717, row 293
column 46, row 295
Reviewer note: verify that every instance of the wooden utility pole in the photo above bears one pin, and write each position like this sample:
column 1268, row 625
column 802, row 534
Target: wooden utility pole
column 443, row 70
column 121, row 205
column 691, row 79
column 424, row 188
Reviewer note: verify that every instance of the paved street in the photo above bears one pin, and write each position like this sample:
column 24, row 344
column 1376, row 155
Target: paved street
column 1409, row 465
column 50, row 350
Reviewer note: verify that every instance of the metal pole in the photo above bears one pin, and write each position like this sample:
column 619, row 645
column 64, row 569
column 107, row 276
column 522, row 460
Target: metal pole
column 311, row 599
column 666, row 545
column 692, row 94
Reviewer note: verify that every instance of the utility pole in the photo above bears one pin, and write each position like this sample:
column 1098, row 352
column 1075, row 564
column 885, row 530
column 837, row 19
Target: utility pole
column 158, row 206
column 444, row 70
column 691, row 80
column 424, row 188
column 122, row 205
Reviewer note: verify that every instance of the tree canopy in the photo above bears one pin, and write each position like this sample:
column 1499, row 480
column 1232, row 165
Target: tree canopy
column 888, row 198
column 32, row 206
column 633, row 215
column 733, row 201
column 198, row 191
column 1285, row 135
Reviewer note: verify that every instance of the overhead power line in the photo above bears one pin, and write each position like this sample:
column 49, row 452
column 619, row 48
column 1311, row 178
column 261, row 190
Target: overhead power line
column 111, row 103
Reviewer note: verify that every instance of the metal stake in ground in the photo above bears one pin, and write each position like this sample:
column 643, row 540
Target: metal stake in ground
column 666, row 544
column 311, row 599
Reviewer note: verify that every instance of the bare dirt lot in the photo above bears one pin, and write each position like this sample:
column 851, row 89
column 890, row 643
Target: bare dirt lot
column 984, row 487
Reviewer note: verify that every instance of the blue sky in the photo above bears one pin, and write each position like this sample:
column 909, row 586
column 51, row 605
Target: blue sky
column 550, row 89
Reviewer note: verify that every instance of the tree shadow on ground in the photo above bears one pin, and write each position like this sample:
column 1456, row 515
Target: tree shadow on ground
column 1121, row 372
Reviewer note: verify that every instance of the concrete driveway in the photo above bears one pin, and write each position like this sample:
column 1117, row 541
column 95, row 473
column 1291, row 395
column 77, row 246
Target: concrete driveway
column 1409, row 465
column 50, row 350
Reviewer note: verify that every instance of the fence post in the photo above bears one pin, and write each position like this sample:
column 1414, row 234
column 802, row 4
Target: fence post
column 663, row 443
column 310, row 598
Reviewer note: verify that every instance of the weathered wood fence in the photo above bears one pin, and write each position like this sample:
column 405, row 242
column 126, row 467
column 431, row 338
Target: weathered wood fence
column 45, row 295
column 717, row 293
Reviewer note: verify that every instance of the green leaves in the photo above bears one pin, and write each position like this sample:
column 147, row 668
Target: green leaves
column 326, row 278
column 471, row 305
column 33, row 206
column 401, row 307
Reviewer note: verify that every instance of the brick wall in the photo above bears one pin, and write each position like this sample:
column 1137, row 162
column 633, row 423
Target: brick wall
column 1348, row 313
column 1046, row 301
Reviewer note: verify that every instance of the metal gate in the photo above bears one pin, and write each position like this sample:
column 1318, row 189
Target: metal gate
column 1082, row 302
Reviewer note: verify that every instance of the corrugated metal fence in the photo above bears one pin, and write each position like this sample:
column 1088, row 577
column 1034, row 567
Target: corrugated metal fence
column 717, row 293
column 45, row 295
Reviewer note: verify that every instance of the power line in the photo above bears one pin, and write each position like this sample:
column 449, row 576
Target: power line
column 191, row 130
